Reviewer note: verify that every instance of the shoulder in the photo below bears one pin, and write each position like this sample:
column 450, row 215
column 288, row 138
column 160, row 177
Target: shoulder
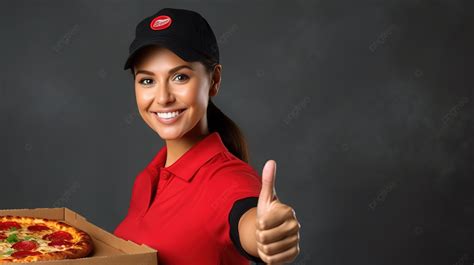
column 226, row 169
column 229, row 180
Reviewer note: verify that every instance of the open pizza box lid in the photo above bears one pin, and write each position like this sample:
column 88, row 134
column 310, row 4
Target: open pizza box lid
column 108, row 249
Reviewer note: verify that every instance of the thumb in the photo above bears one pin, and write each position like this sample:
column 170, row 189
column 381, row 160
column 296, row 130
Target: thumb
column 268, row 192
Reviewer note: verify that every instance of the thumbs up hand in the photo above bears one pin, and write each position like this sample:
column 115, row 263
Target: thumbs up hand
column 277, row 227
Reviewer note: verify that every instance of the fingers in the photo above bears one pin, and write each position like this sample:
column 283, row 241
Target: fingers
column 288, row 228
column 288, row 255
column 279, row 246
column 275, row 218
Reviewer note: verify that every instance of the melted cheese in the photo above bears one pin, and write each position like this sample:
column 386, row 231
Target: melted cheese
column 37, row 236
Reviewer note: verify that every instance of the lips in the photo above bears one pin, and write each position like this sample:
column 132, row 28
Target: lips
column 165, row 111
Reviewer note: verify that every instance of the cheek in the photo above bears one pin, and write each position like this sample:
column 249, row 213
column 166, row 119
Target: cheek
column 194, row 98
column 186, row 95
column 143, row 97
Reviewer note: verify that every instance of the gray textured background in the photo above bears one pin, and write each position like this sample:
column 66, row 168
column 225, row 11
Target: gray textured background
column 365, row 105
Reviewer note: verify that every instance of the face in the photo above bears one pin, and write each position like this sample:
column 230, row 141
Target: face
column 172, row 94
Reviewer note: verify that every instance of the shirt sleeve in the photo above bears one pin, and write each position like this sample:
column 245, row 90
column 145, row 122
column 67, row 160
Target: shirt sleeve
column 238, row 209
column 228, row 191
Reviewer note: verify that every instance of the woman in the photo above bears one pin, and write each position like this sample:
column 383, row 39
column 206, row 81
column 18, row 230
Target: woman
column 198, row 201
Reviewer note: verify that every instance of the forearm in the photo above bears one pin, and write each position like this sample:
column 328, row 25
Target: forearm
column 247, row 231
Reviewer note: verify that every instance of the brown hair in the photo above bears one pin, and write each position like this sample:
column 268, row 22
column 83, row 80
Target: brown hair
column 217, row 121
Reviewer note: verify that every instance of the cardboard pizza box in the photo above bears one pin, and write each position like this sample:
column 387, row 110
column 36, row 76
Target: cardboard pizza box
column 108, row 249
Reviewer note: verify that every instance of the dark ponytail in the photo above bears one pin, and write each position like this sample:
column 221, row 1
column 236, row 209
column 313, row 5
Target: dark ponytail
column 231, row 135
column 217, row 121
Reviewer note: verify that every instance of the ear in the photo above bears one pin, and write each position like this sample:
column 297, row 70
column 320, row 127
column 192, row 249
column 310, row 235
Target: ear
column 215, row 80
column 213, row 89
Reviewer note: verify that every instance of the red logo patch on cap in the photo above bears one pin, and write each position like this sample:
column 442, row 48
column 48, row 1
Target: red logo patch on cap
column 160, row 22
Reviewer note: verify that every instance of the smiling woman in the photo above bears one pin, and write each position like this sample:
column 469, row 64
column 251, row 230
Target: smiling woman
column 196, row 201
column 182, row 93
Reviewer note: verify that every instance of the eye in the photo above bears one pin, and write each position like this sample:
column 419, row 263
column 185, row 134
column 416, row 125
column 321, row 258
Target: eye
column 146, row 81
column 182, row 75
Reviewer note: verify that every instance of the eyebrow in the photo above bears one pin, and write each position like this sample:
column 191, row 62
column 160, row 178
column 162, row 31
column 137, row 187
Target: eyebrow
column 169, row 72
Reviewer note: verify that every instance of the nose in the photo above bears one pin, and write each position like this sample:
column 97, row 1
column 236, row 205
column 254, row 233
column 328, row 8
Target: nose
column 163, row 95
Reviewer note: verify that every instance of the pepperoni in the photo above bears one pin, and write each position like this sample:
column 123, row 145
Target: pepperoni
column 2, row 236
column 8, row 225
column 24, row 253
column 36, row 228
column 58, row 235
column 60, row 243
column 25, row 245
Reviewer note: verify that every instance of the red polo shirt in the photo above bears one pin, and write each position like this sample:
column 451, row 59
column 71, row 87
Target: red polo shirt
column 183, row 210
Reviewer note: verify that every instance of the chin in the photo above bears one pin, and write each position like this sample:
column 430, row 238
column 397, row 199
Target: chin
column 169, row 133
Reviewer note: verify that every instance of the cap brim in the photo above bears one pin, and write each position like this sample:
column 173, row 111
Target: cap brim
column 184, row 51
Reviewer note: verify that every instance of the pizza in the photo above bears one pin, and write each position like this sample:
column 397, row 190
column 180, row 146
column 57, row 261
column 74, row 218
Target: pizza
column 28, row 239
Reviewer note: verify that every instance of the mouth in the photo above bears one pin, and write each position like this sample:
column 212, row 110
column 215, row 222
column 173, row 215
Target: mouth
column 168, row 117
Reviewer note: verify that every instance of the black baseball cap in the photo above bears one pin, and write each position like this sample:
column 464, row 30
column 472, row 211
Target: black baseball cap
column 185, row 32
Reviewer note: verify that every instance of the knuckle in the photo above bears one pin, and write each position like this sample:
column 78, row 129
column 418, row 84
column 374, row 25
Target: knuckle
column 260, row 236
column 263, row 256
column 266, row 249
column 292, row 253
column 270, row 260
column 296, row 250
column 289, row 211
column 293, row 213
column 296, row 239
column 263, row 238
column 294, row 225
column 291, row 258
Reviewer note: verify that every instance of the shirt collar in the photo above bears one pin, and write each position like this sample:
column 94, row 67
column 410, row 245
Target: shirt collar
column 192, row 160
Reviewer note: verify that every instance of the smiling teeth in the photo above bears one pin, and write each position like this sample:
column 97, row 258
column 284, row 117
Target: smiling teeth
column 168, row 115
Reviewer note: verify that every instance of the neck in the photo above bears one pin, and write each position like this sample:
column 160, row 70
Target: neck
column 175, row 148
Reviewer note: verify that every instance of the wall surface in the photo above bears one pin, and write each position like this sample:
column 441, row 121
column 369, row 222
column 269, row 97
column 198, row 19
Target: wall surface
column 366, row 106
